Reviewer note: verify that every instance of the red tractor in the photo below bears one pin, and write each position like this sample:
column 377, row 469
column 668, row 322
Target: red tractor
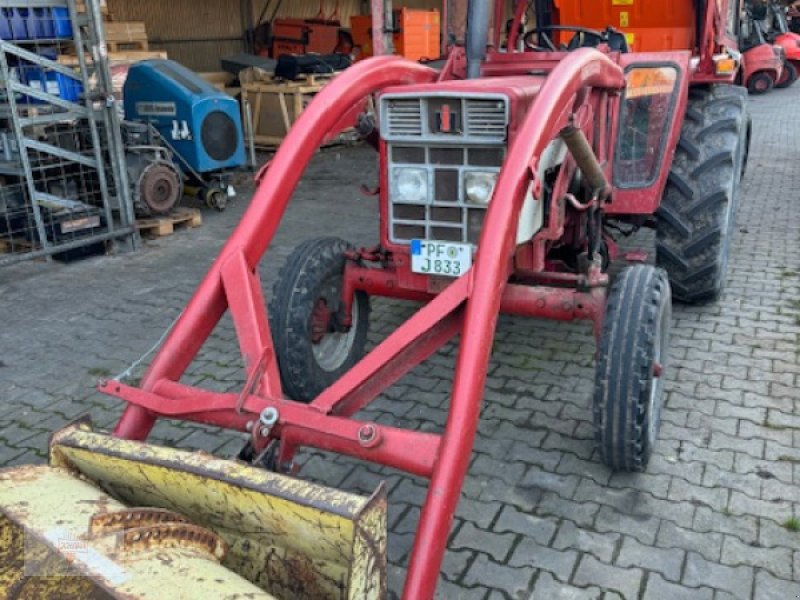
column 763, row 63
column 506, row 179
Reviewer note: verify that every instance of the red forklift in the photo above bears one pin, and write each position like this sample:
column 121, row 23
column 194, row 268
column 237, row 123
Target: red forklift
column 762, row 62
column 778, row 33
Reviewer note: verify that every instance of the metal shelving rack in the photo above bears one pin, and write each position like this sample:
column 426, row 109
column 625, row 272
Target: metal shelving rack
column 64, row 182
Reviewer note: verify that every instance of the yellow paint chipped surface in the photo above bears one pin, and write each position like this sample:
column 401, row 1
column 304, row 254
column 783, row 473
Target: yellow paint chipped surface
column 290, row 538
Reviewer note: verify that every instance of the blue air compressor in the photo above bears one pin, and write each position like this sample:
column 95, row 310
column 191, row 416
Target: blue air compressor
column 201, row 124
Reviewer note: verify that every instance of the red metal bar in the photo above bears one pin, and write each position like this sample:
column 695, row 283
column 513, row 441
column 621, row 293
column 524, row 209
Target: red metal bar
column 513, row 34
column 584, row 67
column 298, row 425
column 258, row 225
column 424, row 333
column 246, row 302
column 499, row 13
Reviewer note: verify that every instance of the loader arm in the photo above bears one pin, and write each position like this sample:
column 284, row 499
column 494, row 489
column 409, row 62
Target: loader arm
column 232, row 284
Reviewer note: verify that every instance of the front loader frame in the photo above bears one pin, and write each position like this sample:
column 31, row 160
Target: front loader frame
column 469, row 306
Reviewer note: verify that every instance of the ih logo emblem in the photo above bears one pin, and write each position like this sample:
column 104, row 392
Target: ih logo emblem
column 446, row 120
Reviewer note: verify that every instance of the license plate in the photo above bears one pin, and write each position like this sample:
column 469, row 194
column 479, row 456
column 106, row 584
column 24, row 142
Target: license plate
column 440, row 258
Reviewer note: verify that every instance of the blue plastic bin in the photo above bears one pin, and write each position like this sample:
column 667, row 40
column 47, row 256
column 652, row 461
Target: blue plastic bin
column 5, row 25
column 50, row 82
column 40, row 24
column 62, row 26
column 18, row 22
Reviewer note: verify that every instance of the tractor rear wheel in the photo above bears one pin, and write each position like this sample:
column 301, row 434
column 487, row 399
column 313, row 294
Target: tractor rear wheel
column 629, row 382
column 788, row 77
column 760, row 83
column 313, row 347
column 695, row 221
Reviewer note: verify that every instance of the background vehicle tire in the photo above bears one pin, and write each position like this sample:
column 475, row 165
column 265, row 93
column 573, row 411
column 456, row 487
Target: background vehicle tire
column 313, row 349
column 629, row 382
column 788, row 77
column 760, row 83
column 697, row 215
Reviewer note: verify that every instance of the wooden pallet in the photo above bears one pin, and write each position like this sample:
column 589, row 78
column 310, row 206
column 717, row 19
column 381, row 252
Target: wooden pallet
column 277, row 104
column 115, row 58
column 161, row 226
column 128, row 45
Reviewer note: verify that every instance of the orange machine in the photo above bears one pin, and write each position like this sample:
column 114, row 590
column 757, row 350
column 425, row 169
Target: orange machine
column 300, row 36
column 415, row 33
column 648, row 26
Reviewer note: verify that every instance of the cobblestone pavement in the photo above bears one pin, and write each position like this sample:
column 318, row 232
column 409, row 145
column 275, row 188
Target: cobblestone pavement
column 539, row 516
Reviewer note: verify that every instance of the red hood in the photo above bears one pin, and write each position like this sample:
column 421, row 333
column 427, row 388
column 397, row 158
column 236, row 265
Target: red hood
column 520, row 90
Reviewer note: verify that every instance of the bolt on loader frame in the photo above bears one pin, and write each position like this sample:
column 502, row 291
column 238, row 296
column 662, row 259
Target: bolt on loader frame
column 533, row 156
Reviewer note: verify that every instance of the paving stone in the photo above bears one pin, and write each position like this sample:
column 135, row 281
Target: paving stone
column 745, row 528
column 529, row 553
column 745, row 505
column 707, row 544
column 494, row 544
column 776, row 560
column 550, row 588
column 601, row 545
column 582, row 513
column 592, row 572
column 643, row 528
column 451, row 591
column 659, row 589
column 483, row 571
column 563, row 485
column 700, row 572
column 539, row 529
column 668, row 562
column 772, row 588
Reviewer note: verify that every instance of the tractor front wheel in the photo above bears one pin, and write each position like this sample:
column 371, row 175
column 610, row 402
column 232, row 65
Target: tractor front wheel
column 629, row 382
column 788, row 77
column 697, row 215
column 313, row 345
column 760, row 83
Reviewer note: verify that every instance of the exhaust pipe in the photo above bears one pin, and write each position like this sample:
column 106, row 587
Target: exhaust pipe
column 477, row 37
column 582, row 152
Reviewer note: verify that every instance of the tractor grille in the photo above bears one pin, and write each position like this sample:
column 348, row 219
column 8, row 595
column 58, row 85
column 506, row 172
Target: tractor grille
column 486, row 119
column 444, row 215
column 405, row 118
column 463, row 120
column 442, row 138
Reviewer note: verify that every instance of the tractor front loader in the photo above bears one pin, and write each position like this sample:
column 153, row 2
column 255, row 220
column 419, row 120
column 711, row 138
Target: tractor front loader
column 506, row 179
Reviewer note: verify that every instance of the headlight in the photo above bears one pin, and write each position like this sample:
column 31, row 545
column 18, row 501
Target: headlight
column 410, row 185
column 479, row 186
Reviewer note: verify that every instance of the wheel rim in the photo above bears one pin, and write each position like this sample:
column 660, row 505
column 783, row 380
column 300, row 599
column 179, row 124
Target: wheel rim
column 333, row 348
column 657, row 382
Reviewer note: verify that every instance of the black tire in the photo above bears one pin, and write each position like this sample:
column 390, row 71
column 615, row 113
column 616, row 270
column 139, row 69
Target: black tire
column 628, row 389
column 760, row 83
column 313, row 274
column 788, row 77
column 696, row 218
